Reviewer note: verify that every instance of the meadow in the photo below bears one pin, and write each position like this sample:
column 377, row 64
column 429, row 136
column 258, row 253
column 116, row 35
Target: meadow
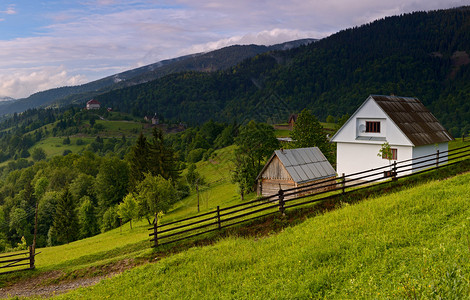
column 349, row 235
column 409, row 244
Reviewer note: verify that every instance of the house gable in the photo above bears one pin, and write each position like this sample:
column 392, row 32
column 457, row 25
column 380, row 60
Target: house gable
column 275, row 170
column 370, row 124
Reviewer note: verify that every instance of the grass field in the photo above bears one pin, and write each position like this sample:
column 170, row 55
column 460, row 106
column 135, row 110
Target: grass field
column 54, row 146
column 409, row 244
column 123, row 244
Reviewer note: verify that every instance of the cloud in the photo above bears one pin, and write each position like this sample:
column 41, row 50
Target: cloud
column 97, row 38
column 265, row 37
column 25, row 82
column 10, row 10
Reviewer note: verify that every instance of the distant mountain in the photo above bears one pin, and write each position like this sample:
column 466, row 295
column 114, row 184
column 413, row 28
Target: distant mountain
column 205, row 62
column 6, row 99
column 421, row 54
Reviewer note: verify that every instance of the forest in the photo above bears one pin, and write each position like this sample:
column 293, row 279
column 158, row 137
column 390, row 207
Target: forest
column 80, row 194
column 421, row 54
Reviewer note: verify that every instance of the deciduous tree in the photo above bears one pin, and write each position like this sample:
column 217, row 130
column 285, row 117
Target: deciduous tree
column 308, row 132
column 255, row 143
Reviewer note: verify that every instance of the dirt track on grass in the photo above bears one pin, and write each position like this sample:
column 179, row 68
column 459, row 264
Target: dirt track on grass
column 48, row 284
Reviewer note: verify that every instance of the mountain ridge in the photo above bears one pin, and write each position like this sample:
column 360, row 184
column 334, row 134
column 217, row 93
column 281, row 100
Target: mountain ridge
column 207, row 61
column 414, row 55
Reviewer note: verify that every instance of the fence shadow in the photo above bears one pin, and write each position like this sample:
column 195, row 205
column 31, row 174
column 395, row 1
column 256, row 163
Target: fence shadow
column 289, row 199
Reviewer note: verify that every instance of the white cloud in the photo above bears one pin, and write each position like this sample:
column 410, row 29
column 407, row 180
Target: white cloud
column 10, row 10
column 25, row 82
column 271, row 37
column 101, row 37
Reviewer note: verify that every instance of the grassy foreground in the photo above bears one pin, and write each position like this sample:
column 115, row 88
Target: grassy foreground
column 409, row 244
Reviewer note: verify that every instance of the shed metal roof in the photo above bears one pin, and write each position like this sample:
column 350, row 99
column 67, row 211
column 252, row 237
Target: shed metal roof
column 303, row 164
column 413, row 119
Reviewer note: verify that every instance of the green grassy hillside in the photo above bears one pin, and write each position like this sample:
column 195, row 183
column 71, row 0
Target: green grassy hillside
column 409, row 244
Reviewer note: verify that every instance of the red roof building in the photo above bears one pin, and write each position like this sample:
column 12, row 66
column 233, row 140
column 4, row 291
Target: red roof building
column 93, row 104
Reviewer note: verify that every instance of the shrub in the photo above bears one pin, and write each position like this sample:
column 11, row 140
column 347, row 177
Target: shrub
column 110, row 219
column 195, row 155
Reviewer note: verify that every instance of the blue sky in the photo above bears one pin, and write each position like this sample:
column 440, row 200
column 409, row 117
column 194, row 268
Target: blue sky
column 47, row 44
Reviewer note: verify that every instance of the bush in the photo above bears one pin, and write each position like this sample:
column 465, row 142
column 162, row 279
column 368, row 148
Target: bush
column 39, row 154
column 79, row 142
column 195, row 155
column 110, row 219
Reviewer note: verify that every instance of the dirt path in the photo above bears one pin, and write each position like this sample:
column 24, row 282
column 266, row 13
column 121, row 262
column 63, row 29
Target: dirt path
column 35, row 287
column 52, row 283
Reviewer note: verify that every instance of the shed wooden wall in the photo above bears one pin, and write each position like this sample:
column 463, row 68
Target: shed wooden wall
column 320, row 187
column 273, row 177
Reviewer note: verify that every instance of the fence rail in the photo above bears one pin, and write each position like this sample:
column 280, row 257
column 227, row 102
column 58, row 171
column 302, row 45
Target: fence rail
column 289, row 198
column 27, row 258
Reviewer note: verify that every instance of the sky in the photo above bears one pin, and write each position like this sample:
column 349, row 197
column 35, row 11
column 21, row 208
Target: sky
column 52, row 43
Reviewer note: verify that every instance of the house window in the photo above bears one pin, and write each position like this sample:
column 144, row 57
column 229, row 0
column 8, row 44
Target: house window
column 372, row 126
column 394, row 154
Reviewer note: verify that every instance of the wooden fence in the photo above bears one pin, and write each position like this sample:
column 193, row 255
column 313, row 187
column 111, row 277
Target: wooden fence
column 18, row 261
column 261, row 207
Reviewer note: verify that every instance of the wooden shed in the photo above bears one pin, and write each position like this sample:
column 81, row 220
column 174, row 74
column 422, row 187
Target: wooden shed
column 294, row 168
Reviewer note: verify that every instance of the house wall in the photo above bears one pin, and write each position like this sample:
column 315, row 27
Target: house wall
column 93, row 106
column 357, row 157
column 426, row 150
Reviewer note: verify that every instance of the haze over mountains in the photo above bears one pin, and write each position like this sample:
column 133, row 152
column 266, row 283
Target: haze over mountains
column 422, row 54
column 202, row 62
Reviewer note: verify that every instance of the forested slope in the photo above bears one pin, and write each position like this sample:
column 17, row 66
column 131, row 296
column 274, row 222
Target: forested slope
column 422, row 54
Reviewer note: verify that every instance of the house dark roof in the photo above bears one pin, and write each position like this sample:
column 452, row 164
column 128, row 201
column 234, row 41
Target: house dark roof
column 293, row 118
column 93, row 101
column 413, row 119
column 303, row 164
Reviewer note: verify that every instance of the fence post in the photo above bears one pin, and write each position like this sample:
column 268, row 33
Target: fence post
column 281, row 202
column 31, row 257
column 394, row 172
column 437, row 158
column 218, row 216
column 343, row 184
column 155, row 231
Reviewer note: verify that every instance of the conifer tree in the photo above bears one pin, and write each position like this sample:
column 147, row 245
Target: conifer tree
column 162, row 160
column 138, row 159
column 65, row 218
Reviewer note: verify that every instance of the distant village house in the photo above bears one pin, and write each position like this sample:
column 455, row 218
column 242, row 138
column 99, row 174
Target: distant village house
column 292, row 120
column 93, row 104
column 152, row 119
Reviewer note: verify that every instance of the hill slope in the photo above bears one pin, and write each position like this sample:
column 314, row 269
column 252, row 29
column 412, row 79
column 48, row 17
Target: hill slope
column 211, row 61
column 422, row 54
column 410, row 244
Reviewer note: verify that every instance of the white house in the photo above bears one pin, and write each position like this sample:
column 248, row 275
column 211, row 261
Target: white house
column 93, row 104
column 405, row 123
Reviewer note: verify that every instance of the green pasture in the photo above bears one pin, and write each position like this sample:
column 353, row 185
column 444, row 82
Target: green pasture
column 119, row 128
column 124, row 243
column 408, row 244
column 54, row 145
column 219, row 190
